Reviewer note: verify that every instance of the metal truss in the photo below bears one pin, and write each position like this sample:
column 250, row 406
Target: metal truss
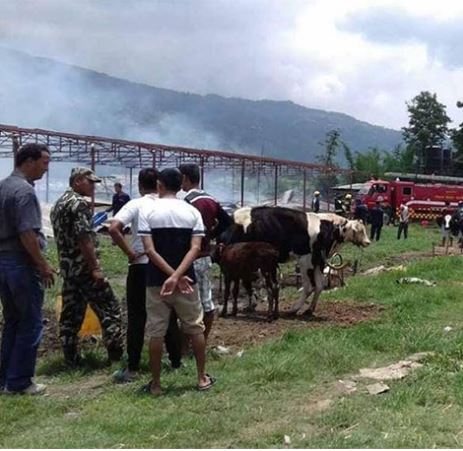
column 94, row 150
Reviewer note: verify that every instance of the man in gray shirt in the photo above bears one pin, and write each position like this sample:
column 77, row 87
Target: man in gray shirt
column 24, row 272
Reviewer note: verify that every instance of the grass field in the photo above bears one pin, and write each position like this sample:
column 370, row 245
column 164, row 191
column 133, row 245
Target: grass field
column 286, row 386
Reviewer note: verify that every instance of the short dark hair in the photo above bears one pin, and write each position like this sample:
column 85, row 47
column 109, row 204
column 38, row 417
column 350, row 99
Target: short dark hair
column 147, row 178
column 191, row 171
column 31, row 150
column 118, row 184
column 171, row 178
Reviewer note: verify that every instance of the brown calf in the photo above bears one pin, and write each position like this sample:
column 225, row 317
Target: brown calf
column 242, row 261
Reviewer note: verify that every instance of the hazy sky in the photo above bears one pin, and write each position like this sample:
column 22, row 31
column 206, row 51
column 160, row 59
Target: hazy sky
column 365, row 58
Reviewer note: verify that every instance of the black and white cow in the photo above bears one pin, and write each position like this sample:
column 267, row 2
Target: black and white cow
column 311, row 237
column 285, row 228
column 327, row 232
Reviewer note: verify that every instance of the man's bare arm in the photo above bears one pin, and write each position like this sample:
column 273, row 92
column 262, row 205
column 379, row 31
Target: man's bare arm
column 178, row 279
column 154, row 257
column 190, row 257
column 115, row 230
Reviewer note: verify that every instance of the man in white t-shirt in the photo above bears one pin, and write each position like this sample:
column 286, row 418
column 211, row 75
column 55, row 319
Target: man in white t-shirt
column 404, row 217
column 136, row 279
column 172, row 231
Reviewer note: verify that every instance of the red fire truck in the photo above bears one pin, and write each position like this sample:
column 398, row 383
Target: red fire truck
column 424, row 200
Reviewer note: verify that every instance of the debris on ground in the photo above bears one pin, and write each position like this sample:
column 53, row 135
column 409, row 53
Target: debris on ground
column 347, row 386
column 222, row 349
column 448, row 328
column 287, row 440
column 377, row 388
column 381, row 268
column 323, row 404
column 374, row 271
column 395, row 371
column 240, row 353
column 415, row 280
column 419, row 356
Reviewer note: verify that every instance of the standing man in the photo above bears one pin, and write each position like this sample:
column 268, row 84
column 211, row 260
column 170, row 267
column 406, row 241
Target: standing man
column 83, row 279
column 171, row 232
column 403, row 221
column 209, row 208
column 24, row 272
column 445, row 224
column 347, row 205
column 136, row 280
column 377, row 219
column 119, row 199
column 361, row 211
column 338, row 207
column 316, row 202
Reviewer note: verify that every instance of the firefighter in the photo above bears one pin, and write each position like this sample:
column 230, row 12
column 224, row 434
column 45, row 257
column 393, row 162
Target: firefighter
column 316, row 202
column 338, row 207
column 347, row 204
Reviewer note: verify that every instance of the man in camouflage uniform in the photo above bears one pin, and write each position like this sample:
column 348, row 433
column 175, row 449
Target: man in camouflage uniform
column 83, row 279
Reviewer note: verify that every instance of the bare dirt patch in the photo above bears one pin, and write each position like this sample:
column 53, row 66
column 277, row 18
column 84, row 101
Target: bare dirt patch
column 246, row 329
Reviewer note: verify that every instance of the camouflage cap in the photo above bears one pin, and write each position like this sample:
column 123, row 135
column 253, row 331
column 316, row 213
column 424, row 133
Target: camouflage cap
column 84, row 172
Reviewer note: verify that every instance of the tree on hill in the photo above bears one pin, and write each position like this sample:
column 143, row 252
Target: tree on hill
column 457, row 139
column 329, row 179
column 428, row 125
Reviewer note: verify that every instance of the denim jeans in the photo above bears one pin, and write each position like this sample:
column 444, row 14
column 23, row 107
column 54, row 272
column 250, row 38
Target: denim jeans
column 21, row 293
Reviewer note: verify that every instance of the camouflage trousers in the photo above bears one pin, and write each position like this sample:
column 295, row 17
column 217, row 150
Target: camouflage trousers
column 77, row 292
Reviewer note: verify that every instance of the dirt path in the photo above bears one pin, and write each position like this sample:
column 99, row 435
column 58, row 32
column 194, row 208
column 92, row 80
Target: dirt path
column 246, row 330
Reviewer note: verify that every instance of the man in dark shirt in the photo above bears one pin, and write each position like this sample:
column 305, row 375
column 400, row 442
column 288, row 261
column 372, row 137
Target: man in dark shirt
column 119, row 199
column 377, row 218
column 24, row 272
column 208, row 206
column 361, row 211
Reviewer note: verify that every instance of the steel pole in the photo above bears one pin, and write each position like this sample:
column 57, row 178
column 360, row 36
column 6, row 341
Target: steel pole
column 304, row 191
column 92, row 153
column 201, row 166
column 275, row 199
column 242, row 182
column 15, row 149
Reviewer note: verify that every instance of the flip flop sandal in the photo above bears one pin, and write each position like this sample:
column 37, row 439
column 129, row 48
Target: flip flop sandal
column 146, row 390
column 121, row 376
column 209, row 385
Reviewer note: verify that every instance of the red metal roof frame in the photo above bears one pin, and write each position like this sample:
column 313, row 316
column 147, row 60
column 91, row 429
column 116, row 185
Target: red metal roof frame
column 132, row 154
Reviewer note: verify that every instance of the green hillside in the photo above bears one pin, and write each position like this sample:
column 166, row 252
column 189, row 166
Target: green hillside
column 38, row 92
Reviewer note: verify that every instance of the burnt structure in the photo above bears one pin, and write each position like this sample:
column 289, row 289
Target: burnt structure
column 93, row 150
